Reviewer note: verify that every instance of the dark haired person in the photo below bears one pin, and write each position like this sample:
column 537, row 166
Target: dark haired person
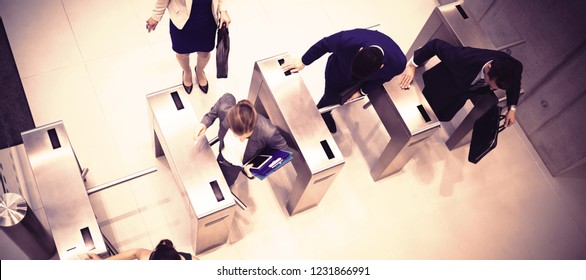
column 361, row 61
column 243, row 134
column 164, row 251
column 472, row 71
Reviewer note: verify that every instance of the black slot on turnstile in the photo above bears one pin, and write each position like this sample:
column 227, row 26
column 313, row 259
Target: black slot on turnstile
column 87, row 238
column 215, row 221
column 327, row 149
column 418, row 141
column 54, row 138
column 281, row 61
column 323, row 179
column 217, row 191
column 423, row 113
column 462, row 12
column 177, row 100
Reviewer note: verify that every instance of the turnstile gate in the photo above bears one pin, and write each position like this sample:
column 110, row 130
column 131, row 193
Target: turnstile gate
column 288, row 104
column 63, row 194
column 194, row 166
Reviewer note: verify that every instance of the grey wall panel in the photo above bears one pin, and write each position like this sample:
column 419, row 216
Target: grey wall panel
column 501, row 31
column 561, row 90
column 561, row 141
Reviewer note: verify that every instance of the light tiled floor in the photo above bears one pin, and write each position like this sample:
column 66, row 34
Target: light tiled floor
column 90, row 63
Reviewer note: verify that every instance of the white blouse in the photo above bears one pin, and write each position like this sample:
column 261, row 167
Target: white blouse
column 233, row 150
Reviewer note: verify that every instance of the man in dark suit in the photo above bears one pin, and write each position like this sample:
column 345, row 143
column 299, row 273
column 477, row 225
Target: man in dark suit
column 361, row 61
column 468, row 72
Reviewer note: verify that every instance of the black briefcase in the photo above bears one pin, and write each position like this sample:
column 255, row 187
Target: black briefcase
column 222, row 51
column 485, row 134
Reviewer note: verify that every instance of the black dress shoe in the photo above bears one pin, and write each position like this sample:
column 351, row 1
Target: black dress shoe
column 188, row 89
column 329, row 120
column 203, row 88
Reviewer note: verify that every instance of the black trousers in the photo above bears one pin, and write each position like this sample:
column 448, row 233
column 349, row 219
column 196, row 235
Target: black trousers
column 229, row 170
column 337, row 85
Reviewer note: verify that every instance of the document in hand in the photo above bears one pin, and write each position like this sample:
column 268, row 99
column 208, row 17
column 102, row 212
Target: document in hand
column 269, row 161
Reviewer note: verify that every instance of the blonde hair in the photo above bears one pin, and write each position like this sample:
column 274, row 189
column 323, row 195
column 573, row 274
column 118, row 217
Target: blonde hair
column 242, row 117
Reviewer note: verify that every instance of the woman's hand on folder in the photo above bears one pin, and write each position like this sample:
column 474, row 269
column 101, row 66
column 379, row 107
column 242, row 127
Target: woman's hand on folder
column 247, row 171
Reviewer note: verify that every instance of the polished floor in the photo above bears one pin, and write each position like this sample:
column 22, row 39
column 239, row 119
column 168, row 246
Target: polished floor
column 90, row 63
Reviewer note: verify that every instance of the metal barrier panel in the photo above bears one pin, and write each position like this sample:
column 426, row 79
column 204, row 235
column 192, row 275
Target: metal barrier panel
column 453, row 23
column 316, row 157
column 19, row 223
column 57, row 174
column 408, row 119
column 194, row 166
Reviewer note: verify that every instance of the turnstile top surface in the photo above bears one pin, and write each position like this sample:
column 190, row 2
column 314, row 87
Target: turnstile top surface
column 292, row 109
column 409, row 104
column 193, row 164
column 466, row 30
column 65, row 201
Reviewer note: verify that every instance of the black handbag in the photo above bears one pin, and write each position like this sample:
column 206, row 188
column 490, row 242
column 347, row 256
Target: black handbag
column 485, row 134
column 222, row 51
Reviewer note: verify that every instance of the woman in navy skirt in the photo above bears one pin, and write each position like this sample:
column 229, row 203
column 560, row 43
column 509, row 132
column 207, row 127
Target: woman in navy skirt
column 193, row 28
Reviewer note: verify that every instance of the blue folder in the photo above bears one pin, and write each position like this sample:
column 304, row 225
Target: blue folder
column 278, row 158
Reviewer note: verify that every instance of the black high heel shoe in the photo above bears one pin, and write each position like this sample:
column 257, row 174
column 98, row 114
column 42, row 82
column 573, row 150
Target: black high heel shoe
column 203, row 88
column 188, row 89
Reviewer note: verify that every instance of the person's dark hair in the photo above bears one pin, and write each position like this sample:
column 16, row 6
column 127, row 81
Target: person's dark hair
column 242, row 117
column 366, row 62
column 506, row 70
column 165, row 251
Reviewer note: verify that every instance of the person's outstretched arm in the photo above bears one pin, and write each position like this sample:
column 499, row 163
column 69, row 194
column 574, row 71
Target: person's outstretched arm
column 326, row 45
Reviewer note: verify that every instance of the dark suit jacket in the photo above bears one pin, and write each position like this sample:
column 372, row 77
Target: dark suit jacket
column 264, row 134
column 464, row 64
column 345, row 44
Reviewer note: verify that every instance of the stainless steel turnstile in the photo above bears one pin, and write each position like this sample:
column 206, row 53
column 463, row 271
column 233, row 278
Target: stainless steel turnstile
column 60, row 184
column 408, row 119
column 198, row 177
column 453, row 23
column 20, row 224
column 316, row 157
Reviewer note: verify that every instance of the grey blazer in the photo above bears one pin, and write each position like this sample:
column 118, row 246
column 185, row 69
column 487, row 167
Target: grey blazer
column 265, row 134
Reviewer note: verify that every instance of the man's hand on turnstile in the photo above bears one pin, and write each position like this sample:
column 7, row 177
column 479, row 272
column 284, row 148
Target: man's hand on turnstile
column 355, row 95
column 295, row 66
column 510, row 118
column 407, row 76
